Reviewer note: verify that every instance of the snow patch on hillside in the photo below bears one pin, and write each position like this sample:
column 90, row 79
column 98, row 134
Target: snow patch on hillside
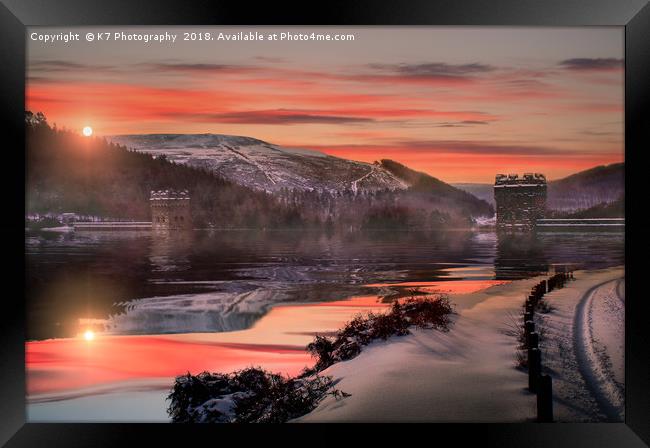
column 261, row 165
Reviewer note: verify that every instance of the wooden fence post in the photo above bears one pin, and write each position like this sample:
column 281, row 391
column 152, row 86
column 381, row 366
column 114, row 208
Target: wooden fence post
column 529, row 309
column 534, row 368
column 529, row 327
column 533, row 340
column 545, row 399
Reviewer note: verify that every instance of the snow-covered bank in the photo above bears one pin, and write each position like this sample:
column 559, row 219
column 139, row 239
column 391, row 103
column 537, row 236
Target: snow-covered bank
column 583, row 346
column 467, row 374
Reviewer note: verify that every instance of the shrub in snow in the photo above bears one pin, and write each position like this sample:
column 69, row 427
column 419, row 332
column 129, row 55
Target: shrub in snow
column 348, row 342
column 251, row 395
column 254, row 395
column 514, row 329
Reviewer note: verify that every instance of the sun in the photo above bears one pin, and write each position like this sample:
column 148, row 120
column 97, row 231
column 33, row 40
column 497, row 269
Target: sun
column 87, row 131
column 89, row 335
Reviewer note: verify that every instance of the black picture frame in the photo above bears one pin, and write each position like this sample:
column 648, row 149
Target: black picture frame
column 15, row 15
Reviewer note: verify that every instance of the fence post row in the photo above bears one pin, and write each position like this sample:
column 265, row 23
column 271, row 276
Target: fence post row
column 540, row 384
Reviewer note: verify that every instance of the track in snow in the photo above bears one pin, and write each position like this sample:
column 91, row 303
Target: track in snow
column 620, row 290
column 598, row 379
column 355, row 183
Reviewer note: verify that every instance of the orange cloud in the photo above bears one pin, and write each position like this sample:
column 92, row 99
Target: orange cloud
column 425, row 115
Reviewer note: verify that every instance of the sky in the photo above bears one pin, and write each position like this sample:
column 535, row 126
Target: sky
column 459, row 103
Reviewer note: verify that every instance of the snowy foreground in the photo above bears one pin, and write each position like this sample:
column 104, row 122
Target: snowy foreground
column 469, row 374
column 584, row 344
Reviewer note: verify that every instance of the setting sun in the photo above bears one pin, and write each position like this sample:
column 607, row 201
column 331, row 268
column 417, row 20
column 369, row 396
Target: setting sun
column 87, row 131
column 89, row 335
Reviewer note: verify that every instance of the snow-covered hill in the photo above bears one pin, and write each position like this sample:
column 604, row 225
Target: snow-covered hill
column 261, row 165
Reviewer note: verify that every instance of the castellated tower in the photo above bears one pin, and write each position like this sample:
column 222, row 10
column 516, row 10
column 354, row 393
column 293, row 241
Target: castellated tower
column 520, row 201
column 170, row 210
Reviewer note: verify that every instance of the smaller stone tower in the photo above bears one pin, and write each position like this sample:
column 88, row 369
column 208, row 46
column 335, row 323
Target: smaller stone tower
column 170, row 210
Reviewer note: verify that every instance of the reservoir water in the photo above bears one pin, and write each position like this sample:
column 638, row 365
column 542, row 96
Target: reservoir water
column 117, row 315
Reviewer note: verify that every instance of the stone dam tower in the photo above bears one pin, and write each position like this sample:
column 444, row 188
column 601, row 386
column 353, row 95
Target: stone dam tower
column 170, row 210
column 520, row 201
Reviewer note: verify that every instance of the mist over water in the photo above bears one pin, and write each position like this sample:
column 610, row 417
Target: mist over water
column 203, row 281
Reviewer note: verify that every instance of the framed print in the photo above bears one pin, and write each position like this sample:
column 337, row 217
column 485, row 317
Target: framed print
column 369, row 213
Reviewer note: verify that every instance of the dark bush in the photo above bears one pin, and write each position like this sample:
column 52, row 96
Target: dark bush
column 347, row 343
column 321, row 348
column 430, row 313
column 251, row 395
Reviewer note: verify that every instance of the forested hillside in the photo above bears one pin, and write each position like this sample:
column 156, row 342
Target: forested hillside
column 70, row 173
column 437, row 192
column 90, row 176
column 585, row 189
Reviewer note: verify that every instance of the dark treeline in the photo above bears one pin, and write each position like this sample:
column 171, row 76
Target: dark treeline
column 426, row 189
column 615, row 209
column 70, row 173
column 90, row 176
column 382, row 209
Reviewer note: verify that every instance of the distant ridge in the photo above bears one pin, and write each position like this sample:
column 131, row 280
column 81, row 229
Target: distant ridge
column 597, row 186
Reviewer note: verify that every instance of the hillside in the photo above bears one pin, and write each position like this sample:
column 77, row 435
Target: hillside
column 484, row 192
column 313, row 178
column 261, row 165
column 70, row 173
column 424, row 185
column 94, row 177
column 584, row 190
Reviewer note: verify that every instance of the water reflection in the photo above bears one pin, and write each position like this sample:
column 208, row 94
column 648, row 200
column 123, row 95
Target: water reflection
column 169, row 251
column 523, row 255
column 159, row 306
column 144, row 283
column 519, row 256
column 237, row 307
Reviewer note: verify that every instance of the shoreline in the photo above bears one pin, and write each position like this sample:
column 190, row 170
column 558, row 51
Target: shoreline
column 465, row 375
column 55, row 386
